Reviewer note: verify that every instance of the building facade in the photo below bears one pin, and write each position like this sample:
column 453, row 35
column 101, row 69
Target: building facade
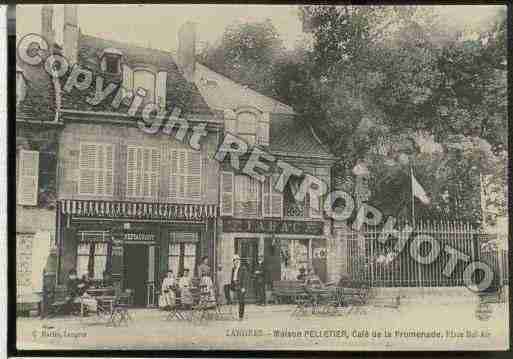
column 135, row 200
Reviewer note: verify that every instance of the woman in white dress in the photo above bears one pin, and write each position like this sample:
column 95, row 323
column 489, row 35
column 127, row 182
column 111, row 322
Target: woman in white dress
column 185, row 289
column 168, row 290
column 207, row 288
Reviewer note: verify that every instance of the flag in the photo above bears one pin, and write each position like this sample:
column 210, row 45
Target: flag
column 418, row 191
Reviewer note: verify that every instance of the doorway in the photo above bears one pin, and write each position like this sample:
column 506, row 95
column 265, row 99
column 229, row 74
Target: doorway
column 247, row 249
column 136, row 271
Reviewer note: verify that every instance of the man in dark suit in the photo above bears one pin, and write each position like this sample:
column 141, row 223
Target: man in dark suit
column 260, row 280
column 239, row 281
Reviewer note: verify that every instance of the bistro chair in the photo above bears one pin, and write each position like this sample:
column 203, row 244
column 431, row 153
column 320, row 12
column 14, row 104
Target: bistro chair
column 124, row 302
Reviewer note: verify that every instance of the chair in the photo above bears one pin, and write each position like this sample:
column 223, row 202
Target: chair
column 124, row 302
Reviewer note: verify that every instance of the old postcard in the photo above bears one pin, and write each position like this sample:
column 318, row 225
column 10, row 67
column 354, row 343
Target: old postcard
column 258, row 177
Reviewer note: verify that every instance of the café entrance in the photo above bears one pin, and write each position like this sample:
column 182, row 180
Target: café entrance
column 136, row 272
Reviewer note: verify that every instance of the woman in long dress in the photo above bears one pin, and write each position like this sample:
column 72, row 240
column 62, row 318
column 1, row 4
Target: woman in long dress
column 185, row 289
column 207, row 288
column 168, row 290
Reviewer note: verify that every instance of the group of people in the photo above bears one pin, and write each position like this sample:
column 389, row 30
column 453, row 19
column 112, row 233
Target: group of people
column 182, row 288
column 77, row 292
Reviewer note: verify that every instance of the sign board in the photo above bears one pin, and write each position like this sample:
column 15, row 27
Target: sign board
column 275, row 226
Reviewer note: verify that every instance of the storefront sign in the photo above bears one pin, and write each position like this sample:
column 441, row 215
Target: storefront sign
column 139, row 237
column 272, row 226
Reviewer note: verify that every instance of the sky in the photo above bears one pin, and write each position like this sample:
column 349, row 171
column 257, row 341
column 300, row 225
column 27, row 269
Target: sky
column 157, row 25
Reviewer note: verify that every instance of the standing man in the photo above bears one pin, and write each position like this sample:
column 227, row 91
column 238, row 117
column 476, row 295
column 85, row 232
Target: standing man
column 204, row 267
column 260, row 281
column 239, row 283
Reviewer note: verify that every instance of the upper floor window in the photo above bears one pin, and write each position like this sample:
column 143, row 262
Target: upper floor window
column 20, row 85
column 111, row 60
column 27, row 177
column 247, row 127
column 154, row 83
column 185, row 175
column 246, row 196
column 96, row 165
column 143, row 172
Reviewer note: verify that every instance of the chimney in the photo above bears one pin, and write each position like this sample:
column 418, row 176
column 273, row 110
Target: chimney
column 71, row 32
column 47, row 24
column 187, row 50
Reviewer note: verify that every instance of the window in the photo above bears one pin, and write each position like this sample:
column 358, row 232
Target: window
column 112, row 64
column 272, row 203
column 182, row 251
column 143, row 172
column 246, row 127
column 27, row 176
column 96, row 164
column 146, row 80
column 92, row 253
column 185, row 175
column 246, row 196
column 20, row 86
column 111, row 60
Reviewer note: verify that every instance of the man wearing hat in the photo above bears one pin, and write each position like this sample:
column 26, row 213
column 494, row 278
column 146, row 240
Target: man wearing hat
column 239, row 280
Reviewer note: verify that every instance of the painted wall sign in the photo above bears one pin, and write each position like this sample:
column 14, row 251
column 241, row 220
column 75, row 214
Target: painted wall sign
column 272, row 226
column 145, row 237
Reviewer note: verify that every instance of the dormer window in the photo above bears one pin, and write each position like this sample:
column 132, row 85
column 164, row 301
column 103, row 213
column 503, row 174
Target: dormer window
column 247, row 126
column 154, row 83
column 20, row 85
column 111, row 60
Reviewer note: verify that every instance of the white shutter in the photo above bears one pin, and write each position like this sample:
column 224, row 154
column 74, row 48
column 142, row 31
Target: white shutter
column 266, row 197
column 131, row 172
column 315, row 206
column 263, row 129
column 227, row 200
column 276, row 199
column 87, row 165
column 161, row 89
column 128, row 79
column 109, row 170
column 28, row 182
column 100, row 175
column 230, row 122
column 194, row 175
column 173, row 175
column 155, row 173
column 182, row 174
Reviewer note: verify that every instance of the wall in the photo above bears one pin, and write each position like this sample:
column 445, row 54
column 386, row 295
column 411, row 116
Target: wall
column 121, row 137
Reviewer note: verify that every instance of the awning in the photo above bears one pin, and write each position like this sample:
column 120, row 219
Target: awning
column 137, row 210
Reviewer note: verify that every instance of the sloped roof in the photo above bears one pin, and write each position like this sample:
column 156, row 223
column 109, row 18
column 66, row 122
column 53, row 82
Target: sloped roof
column 292, row 137
column 39, row 101
column 180, row 93
column 222, row 93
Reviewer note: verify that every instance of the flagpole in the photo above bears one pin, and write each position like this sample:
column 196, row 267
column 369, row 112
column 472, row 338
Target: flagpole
column 412, row 198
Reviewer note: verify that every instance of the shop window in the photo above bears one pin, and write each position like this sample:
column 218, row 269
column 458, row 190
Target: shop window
column 183, row 250
column 246, row 196
column 96, row 165
column 92, row 253
column 294, row 255
column 143, row 172
column 27, row 177
column 185, row 175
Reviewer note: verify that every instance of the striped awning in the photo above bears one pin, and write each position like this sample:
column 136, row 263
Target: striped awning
column 139, row 210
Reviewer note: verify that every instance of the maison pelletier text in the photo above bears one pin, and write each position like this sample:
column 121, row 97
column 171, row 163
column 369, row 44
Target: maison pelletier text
column 272, row 226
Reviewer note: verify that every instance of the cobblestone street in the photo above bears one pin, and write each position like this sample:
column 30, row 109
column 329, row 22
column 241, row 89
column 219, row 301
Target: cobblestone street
column 272, row 327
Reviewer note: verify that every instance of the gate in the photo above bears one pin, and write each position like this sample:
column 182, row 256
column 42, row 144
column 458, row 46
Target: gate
column 382, row 265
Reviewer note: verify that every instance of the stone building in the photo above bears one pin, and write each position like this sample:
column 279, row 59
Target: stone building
column 134, row 200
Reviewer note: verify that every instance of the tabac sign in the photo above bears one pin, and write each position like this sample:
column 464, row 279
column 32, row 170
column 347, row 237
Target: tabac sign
column 272, row 226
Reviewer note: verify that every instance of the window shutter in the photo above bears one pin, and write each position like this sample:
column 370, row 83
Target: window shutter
column 173, row 175
column 87, row 164
column 128, row 80
column 194, row 175
column 145, row 172
column 131, row 171
column 266, row 197
column 100, row 175
column 227, row 193
column 230, row 122
column 315, row 206
column 276, row 199
column 28, row 184
column 263, row 129
column 109, row 170
column 155, row 173
column 161, row 89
